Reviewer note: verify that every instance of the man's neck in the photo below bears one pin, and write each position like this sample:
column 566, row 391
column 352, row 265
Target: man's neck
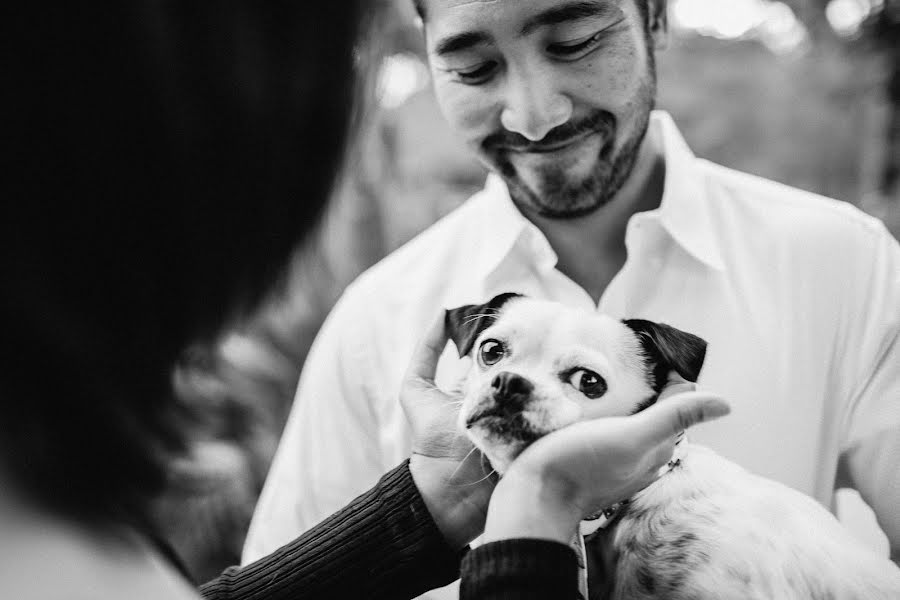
column 591, row 249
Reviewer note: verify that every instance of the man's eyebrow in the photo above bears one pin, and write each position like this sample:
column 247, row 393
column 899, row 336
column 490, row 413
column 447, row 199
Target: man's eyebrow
column 568, row 12
column 461, row 41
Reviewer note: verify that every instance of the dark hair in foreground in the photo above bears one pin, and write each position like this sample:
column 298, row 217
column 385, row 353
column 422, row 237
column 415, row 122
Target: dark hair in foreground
column 167, row 158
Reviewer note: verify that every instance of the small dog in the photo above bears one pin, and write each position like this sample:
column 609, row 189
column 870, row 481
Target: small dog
column 705, row 529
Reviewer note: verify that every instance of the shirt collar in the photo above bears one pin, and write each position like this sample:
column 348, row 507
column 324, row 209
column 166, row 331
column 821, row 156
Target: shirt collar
column 683, row 212
column 506, row 231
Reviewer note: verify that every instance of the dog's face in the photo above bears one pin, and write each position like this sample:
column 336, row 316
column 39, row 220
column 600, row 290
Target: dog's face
column 539, row 366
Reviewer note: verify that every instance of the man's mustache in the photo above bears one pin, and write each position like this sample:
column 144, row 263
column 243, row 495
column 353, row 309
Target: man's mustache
column 599, row 122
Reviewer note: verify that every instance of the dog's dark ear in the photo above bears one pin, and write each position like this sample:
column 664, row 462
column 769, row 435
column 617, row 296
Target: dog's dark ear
column 466, row 322
column 669, row 349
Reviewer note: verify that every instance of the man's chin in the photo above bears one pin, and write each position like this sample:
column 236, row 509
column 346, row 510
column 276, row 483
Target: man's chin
column 563, row 200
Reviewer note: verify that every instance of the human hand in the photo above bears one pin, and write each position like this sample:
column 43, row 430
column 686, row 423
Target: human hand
column 448, row 470
column 571, row 474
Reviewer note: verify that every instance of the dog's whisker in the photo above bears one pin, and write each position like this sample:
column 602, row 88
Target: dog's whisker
column 485, row 478
column 486, row 463
column 465, row 458
column 452, row 402
column 472, row 318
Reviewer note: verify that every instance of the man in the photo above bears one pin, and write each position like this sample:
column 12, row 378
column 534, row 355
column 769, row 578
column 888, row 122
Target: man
column 596, row 201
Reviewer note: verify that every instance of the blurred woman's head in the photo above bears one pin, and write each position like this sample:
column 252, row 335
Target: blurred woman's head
column 167, row 157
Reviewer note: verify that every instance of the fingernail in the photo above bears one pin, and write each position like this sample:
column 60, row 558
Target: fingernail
column 677, row 388
column 717, row 407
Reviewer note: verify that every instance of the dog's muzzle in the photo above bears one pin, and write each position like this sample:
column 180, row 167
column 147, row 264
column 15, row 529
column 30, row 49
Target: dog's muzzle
column 511, row 390
column 503, row 412
column 508, row 396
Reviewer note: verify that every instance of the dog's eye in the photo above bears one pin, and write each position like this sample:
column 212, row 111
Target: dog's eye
column 588, row 383
column 491, row 352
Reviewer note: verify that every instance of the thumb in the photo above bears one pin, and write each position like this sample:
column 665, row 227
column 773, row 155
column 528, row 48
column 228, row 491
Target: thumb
column 425, row 359
column 676, row 384
column 682, row 411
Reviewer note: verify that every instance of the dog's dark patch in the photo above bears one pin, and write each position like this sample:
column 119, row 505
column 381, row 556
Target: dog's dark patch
column 668, row 349
column 465, row 324
column 682, row 542
column 645, row 579
column 658, row 556
column 645, row 404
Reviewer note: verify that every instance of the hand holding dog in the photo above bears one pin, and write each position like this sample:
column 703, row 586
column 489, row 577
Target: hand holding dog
column 571, row 474
column 556, row 482
column 450, row 473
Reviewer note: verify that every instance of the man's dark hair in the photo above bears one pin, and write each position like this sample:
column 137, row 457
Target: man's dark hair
column 163, row 160
column 642, row 6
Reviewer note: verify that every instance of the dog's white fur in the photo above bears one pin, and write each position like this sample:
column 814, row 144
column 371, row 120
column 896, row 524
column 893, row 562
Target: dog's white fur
column 706, row 530
column 529, row 329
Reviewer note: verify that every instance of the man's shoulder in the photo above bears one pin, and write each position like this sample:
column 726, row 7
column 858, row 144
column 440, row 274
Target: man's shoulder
column 793, row 214
column 425, row 269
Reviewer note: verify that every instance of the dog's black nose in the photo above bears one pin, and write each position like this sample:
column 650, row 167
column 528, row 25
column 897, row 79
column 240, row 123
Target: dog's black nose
column 511, row 387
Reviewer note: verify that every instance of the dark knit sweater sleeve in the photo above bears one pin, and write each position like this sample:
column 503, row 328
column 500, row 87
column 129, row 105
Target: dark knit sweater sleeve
column 382, row 545
column 520, row 569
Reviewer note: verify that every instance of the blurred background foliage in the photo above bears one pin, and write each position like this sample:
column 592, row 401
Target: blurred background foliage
column 805, row 92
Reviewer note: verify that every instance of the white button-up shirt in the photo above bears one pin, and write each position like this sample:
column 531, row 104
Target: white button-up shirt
column 798, row 297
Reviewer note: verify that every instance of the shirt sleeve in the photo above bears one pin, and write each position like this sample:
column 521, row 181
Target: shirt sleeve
column 383, row 545
column 329, row 451
column 870, row 459
column 520, row 569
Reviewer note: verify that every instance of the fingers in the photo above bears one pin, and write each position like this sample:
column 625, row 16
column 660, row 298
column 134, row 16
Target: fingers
column 665, row 419
column 424, row 362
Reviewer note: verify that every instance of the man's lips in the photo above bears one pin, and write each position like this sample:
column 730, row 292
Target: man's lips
column 541, row 148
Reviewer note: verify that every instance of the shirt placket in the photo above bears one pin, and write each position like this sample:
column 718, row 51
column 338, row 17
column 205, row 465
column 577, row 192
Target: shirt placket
column 557, row 286
column 630, row 282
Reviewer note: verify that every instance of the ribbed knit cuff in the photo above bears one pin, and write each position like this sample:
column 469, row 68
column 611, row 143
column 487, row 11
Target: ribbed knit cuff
column 384, row 544
column 422, row 557
column 520, row 569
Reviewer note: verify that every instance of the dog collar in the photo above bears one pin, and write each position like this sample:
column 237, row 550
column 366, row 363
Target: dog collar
column 611, row 513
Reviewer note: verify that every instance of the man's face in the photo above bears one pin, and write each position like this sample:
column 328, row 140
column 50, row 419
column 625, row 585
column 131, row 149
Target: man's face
column 554, row 95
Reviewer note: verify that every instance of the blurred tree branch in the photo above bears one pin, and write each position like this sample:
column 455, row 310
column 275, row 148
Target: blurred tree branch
column 812, row 13
column 883, row 28
column 878, row 37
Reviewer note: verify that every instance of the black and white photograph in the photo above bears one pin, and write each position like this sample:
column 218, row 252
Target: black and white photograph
column 450, row 300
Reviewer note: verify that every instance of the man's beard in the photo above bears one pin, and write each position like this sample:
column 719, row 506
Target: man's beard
column 561, row 197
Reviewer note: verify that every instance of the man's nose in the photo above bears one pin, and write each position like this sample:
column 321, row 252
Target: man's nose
column 511, row 390
column 533, row 108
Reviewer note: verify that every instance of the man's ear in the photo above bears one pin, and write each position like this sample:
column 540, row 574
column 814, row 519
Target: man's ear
column 658, row 22
column 465, row 324
column 669, row 349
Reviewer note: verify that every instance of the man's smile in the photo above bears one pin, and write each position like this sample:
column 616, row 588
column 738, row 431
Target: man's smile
column 546, row 148
column 577, row 157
